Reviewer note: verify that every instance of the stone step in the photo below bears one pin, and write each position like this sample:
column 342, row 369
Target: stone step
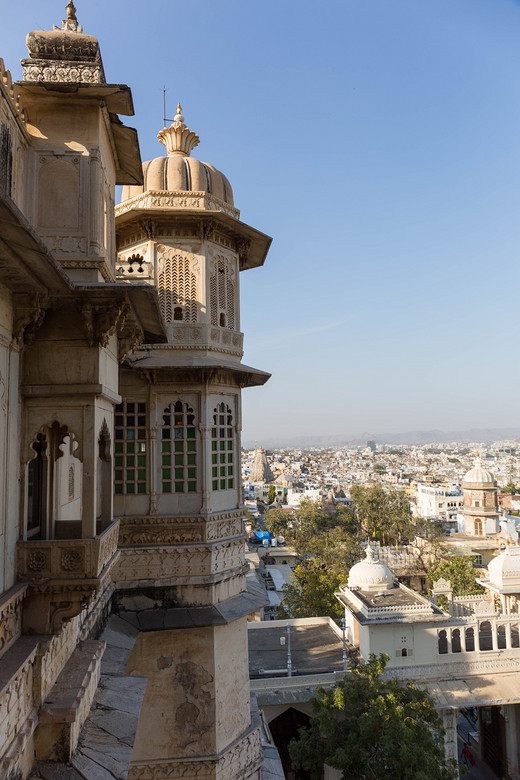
column 68, row 704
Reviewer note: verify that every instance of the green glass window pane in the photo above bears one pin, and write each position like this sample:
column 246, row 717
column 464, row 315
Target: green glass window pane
column 166, row 446
column 119, row 446
column 230, row 445
column 166, row 460
column 130, row 488
column 179, row 446
column 222, row 458
column 192, row 487
column 130, row 434
column 215, row 484
column 222, row 484
column 230, row 471
column 166, row 487
column 118, row 476
column 213, row 458
column 221, row 445
column 192, row 473
column 222, row 471
column 230, row 483
column 141, row 474
column 230, row 457
column 191, row 433
column 141, row 488
column 166, row 433
column 119, row 489
column 179, row 473
column 213, row 445
column 119, row 460
column 141, row 460
column 130, row 447
column 179, row 460
column 179, row 487
column 130, row 460
column 192, row 446
column 166, row 473
column 130, row 475
column 214, row 471
column 191, row 460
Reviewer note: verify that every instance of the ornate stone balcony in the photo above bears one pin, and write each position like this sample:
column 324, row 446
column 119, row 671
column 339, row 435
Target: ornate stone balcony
column 64, row 575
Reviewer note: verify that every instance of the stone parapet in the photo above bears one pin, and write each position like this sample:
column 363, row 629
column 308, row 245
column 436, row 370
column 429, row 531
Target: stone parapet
column 11, row 616
column 150, row 531
column 164, row 199
column 18, row 710
column 66, row 559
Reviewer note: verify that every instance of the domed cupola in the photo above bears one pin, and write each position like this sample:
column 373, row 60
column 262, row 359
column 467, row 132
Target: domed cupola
column 504, row 570
column 370, row 575
column 480, row 501
column 178, row 171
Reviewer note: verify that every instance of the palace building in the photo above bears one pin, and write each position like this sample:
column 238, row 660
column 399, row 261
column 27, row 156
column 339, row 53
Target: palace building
column 120, row 421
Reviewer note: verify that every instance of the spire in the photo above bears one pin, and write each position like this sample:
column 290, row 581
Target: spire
column 70, row 24
column 178, row 139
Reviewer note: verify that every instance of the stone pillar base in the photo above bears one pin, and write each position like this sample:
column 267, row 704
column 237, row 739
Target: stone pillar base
column 242, row 761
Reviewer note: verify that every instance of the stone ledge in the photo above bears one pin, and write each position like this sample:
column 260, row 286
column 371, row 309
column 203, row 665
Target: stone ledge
column 163, row 619
column 68, row 704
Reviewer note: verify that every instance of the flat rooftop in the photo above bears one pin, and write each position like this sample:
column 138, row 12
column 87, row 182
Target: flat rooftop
column 395, row 597
column 315, row 648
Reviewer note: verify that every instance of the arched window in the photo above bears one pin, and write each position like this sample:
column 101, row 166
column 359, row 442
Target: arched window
column 485, row 636
column 178, row 449
column 470, row 640
column 222, row 294
column 130, row 448
column 37, row 490
column 455, row 641
column 443, row 642
column 501, row 637
column 222, row 449
column 178, row 289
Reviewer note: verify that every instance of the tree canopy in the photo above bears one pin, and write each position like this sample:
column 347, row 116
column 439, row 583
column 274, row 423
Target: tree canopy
column 383, row 513
column 459, row 570
column 373, row 729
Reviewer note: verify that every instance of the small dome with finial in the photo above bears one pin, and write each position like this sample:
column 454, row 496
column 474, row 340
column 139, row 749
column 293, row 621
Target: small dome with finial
column 179, row 171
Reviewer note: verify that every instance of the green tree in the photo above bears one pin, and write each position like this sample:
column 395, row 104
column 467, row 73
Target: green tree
column 311, row 592
column 271, row 494
column 277, row 522
column 511, row 488
column 382, row 512
column 373, row 729
column 459, row 570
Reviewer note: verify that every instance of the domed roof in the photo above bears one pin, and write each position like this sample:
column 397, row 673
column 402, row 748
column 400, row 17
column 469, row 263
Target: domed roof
column 370, row 575
column 178, row 171
column 504, row 570
column 478, row 474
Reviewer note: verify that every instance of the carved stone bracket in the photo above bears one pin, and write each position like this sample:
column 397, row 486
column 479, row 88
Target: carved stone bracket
column 29, row 314
column 102, row 320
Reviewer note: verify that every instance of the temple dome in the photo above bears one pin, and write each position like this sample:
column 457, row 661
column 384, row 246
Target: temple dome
column 370, row 575
column 479, row 475
column 504, row 570
column 178, row 171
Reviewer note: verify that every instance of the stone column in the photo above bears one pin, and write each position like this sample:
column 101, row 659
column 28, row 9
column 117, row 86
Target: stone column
column 494, row 634
column 513, row 768
column 89, row 497
column 508, row 636
column 463, row 639
column 449, row 722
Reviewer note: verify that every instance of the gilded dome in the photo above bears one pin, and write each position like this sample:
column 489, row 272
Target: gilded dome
column 370, row 575
column 479, row 475
column 178, row 171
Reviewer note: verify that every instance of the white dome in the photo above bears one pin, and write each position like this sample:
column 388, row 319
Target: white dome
column 370, row 575
column 478, row 474
column 504, row 570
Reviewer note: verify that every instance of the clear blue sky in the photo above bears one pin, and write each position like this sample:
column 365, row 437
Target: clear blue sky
column 378, row 142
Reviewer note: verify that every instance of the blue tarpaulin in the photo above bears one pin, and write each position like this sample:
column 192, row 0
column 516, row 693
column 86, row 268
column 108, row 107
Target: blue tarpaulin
column 262, row 534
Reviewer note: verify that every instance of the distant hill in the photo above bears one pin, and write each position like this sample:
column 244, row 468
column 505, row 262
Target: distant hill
column 419, row 438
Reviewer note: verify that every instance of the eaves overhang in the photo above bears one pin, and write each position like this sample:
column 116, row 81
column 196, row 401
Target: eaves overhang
column 165, row 365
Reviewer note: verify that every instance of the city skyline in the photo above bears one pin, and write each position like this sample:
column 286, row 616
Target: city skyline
column 379, row 146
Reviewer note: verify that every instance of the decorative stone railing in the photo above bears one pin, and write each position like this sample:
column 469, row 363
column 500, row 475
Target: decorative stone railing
column 165, row 199
column 11, row 616
column 398, row 610
column 65, row 559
